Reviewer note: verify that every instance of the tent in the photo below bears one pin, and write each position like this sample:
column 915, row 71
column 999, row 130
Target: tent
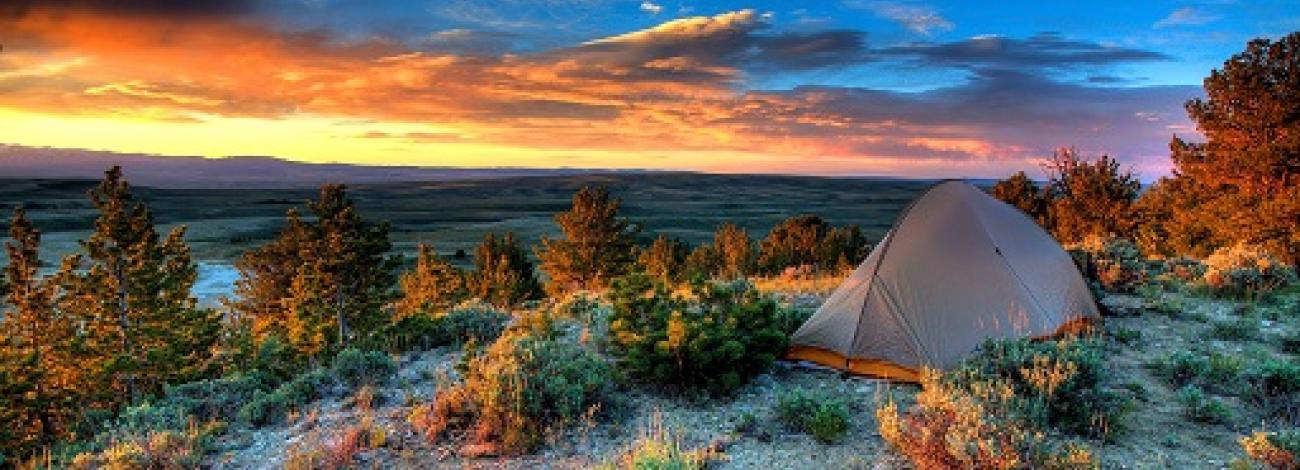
column 957, row 268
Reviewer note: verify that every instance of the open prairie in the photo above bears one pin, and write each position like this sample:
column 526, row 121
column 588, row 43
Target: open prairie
column 453, row 216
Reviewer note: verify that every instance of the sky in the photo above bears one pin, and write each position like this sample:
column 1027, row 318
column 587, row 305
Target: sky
column 833, row 87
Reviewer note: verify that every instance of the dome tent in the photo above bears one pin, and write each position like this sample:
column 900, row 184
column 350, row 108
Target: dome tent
column 958, row 267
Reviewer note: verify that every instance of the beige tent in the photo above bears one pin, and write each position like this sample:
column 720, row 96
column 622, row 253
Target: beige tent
column 958, row 267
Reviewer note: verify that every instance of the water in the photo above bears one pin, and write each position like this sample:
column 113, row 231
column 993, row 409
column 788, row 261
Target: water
column 215, row 280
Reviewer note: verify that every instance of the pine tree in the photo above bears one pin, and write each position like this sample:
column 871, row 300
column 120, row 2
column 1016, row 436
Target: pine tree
column 502, row 275
column 135, row 295
column 322, row 283
column 1243, row 183
column 702, row 262
column 664, row 260
column 1024, row 194
column 434, row 284
column 734, row 249
column 597, row 244
column 37, row 376
column 1089, row 197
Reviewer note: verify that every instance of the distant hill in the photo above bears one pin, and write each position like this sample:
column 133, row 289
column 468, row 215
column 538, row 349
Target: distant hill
column 235, row 172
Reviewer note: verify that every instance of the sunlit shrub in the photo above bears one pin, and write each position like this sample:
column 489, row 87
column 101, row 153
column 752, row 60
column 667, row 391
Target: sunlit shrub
column 1245, row 270
column 516, row 390
column 1115, row 263
column 659, row 449
column 1274, row 451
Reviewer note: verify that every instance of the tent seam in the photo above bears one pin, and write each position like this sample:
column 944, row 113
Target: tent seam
column 1042, row 312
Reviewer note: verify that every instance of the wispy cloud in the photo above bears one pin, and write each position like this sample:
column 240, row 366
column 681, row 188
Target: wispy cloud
column 1186, row 16
column 915, row 17
column 651, row 8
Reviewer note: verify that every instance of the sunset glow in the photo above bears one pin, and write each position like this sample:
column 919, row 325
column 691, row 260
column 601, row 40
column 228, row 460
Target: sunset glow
column 859, row 88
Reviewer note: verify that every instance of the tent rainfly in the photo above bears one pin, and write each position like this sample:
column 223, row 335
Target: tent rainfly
column 958, row 267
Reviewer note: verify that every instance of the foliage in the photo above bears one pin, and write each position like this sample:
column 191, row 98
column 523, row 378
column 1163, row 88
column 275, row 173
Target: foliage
column 435, row 284
column 664, row 260
column 1088, row 197
column 659, row 449
column 470, row 321
column 972, row 426
column 1201, row 408
column 1236, row 329
column 1059, row 384
column 824, row 418
column 1024, row 194
column 1273, row 450
column 355, row 368
column 1246, row 271
column 735, row 251
column 807, row 240
column 1115, row 263
column 597, row 245
column 716, row 341
column 322, row 283
column 702, row 262
column 522, row 385
column 1274, row 386
column 1241, row 184
column 503, row 275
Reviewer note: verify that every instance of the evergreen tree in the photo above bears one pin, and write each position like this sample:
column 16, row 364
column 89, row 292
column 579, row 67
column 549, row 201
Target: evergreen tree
column 1089, row 197
column 434, row 284
column 135, row 297
column 1024, row 194
column 843, row 248
column 37, row 376
column 597, row 244
column 664, row 260
column 735, row 250
column 503, row 275
column 702, row 262
column 321, row 283
column 793, row 242
column 1243, row 183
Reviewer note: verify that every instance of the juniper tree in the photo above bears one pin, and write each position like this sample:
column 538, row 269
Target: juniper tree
column 597, row 244
column 143, row 324
column 434, row 284
column 702, row 262
column 502, row 275
column 791, row 243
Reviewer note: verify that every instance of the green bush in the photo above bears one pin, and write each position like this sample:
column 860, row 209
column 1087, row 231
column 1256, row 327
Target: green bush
column 355, row 368
column 219, row 398
column 479, row 322
column 1236, row 329
column 1199, row 407
column 715, row 341
column 1061, row 382
column 825, row 419
column 1181, row 367
column 1274, row 385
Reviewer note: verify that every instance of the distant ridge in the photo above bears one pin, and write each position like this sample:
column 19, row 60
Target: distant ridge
column 238, row 171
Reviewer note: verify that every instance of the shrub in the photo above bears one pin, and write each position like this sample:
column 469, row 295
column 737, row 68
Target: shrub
column 825, row 419
column 1244, row 270
column 217, row 399
column 1275, row 451
column 659, row 449
column 715, row 342
column 1274, row 385
column 1181, row 367
column 1199, row 407
column 1182, row 269
column 160, row 449
column 1237, row 329
column 958, row 427
column 472, row 321
column 355, row 368
column 1060, row 383
column 807, row 240
column 518, row 388
column 1115, row 263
